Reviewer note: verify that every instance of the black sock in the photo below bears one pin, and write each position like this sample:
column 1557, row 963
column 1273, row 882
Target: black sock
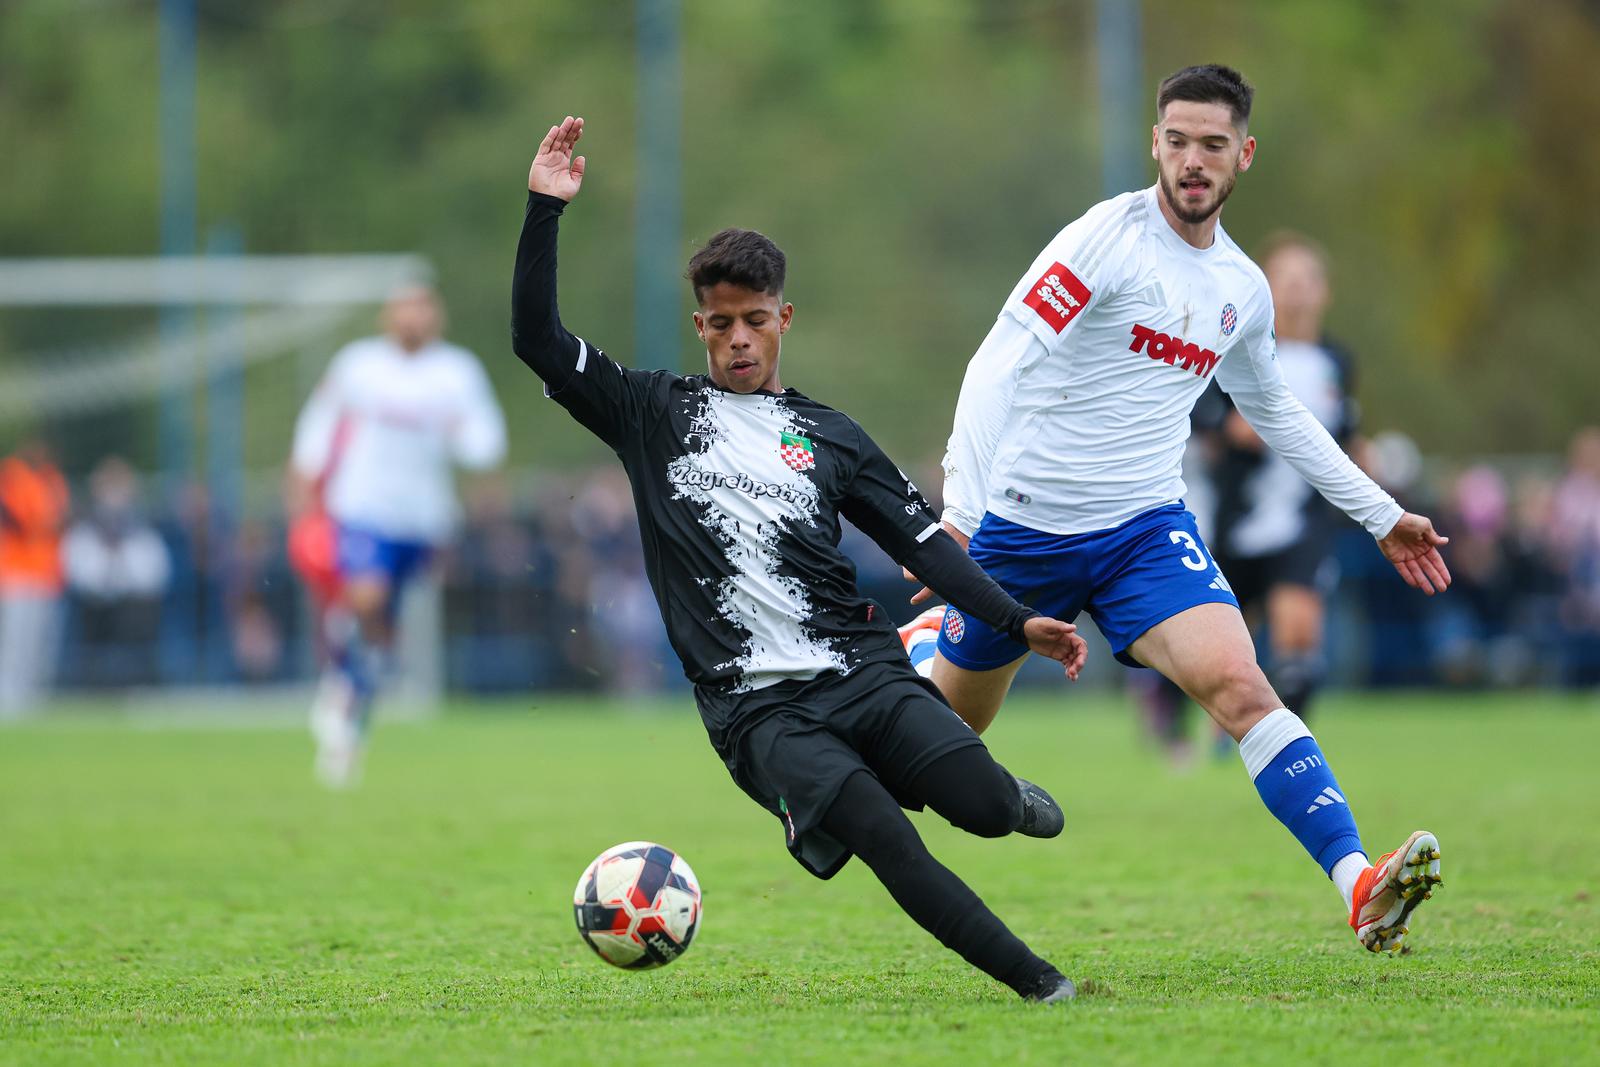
column 868, row 821
column 1297, row 678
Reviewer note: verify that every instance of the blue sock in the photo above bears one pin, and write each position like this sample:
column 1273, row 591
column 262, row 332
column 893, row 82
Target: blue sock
column 358, row 661
column 1297, row 786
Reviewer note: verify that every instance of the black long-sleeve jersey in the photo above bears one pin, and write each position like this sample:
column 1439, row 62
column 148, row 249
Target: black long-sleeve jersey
column 738, row 499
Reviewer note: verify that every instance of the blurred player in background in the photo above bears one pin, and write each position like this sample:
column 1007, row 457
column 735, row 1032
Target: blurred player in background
column 33, row 515
column 739, row 486
column 1274, row 534
column 1064, row 464
column 1271, row 533
column 373, row 448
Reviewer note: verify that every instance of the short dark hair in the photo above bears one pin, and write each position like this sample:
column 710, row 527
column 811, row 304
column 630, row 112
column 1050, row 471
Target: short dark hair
column 740, row 257
column 1208, row 84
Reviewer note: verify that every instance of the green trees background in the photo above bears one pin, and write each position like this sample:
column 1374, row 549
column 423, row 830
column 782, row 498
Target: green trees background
column 911, row 156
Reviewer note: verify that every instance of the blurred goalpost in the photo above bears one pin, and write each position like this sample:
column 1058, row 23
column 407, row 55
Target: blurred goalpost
column 215, row 353
column 269, row 305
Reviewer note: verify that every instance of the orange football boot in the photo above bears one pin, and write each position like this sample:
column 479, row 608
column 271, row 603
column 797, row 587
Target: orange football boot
column 1390, row 890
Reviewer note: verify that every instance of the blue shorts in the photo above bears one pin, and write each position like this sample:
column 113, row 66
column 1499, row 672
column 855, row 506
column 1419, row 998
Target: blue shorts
column 1129, row 578
column 365, row 554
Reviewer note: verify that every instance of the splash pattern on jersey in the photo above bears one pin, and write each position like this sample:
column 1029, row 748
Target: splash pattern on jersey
column 750, row 498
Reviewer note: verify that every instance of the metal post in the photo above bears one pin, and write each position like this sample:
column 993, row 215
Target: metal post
column 1123, row 137
column 177, row 229
column 224, row 445
column 656, row 229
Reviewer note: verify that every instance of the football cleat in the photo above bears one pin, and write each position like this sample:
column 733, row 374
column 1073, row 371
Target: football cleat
column 337, row 732
column 1054, row 991
column 1041, row 815
column 928, row 623
column 1390, row 890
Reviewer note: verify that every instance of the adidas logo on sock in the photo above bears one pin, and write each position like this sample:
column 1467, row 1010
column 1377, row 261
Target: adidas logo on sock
column 1325, row 799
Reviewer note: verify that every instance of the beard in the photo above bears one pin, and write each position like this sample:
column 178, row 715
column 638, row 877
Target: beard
column 1194, row 216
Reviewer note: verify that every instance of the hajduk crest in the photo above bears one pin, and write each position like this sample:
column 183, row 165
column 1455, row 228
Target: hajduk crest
column 796, row 451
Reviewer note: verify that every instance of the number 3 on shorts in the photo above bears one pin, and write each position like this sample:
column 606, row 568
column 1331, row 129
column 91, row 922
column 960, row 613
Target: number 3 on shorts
column 1194, row 557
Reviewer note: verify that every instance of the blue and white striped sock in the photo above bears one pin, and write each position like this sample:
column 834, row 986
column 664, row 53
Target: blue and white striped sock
column 921, row 649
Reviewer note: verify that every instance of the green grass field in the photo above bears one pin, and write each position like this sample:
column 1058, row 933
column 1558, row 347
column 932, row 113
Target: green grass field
column 185, row 894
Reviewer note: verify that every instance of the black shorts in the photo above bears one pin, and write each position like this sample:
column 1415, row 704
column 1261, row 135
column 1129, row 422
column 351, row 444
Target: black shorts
column 881, row 718
column 1308, row 561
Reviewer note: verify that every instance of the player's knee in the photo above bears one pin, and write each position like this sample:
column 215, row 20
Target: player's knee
column 982, row 799
column 366, row 597
column 888, row 842
column 990, row 813
column 867, row 820
column 1238, row 692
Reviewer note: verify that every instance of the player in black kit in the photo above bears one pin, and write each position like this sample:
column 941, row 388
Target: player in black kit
column 803, row 685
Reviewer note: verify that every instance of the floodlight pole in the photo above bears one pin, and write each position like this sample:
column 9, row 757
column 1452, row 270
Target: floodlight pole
column 659, row 205
column 1120, row 62
column 177, row 228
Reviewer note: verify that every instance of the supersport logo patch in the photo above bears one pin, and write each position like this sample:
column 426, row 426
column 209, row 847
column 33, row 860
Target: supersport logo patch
column 1057, row 296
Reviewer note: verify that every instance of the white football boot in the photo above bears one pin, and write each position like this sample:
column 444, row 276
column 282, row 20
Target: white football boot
column 334, row 727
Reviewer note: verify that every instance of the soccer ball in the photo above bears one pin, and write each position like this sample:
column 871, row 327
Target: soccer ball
column 637, row 905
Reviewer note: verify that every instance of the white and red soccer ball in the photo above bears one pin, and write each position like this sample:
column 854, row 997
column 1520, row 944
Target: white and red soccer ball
column 637, row 905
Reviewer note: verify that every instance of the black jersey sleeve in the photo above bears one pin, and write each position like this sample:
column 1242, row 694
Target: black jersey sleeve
column 886, row 506
column 604, row 396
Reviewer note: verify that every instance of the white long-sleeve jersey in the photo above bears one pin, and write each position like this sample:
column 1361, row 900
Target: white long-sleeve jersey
column 384, row 427
column 1074, row 412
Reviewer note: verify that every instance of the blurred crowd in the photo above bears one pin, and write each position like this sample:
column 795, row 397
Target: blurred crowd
column 104, row 587
column 1525, row 555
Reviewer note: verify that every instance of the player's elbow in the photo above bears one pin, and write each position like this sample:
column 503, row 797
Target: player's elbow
column 538, row 353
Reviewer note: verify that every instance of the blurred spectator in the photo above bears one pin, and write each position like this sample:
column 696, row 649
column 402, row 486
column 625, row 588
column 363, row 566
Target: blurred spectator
column 117, row 569
column 1395, row 623
column 1535, row 577
column 549, row 593
column 259, row 601
column 1476, row 643
column 194, row 633
column 501, row 613
column 625, row 616
column 33, row 511
column 1575, row 530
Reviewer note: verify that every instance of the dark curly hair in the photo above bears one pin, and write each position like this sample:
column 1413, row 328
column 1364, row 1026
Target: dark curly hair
column 743, row 257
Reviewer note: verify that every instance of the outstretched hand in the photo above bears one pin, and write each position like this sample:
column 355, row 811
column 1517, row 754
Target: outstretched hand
column 1413, row 547
column 1057, row 640
column 556, row 171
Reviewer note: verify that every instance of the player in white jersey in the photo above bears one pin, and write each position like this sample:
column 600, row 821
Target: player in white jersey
column 376, row 442
column 1063, row 469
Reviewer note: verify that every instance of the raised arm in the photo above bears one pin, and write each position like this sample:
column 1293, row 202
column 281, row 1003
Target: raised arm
column 608, row 399
column 317, row 427
column 537, row 336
